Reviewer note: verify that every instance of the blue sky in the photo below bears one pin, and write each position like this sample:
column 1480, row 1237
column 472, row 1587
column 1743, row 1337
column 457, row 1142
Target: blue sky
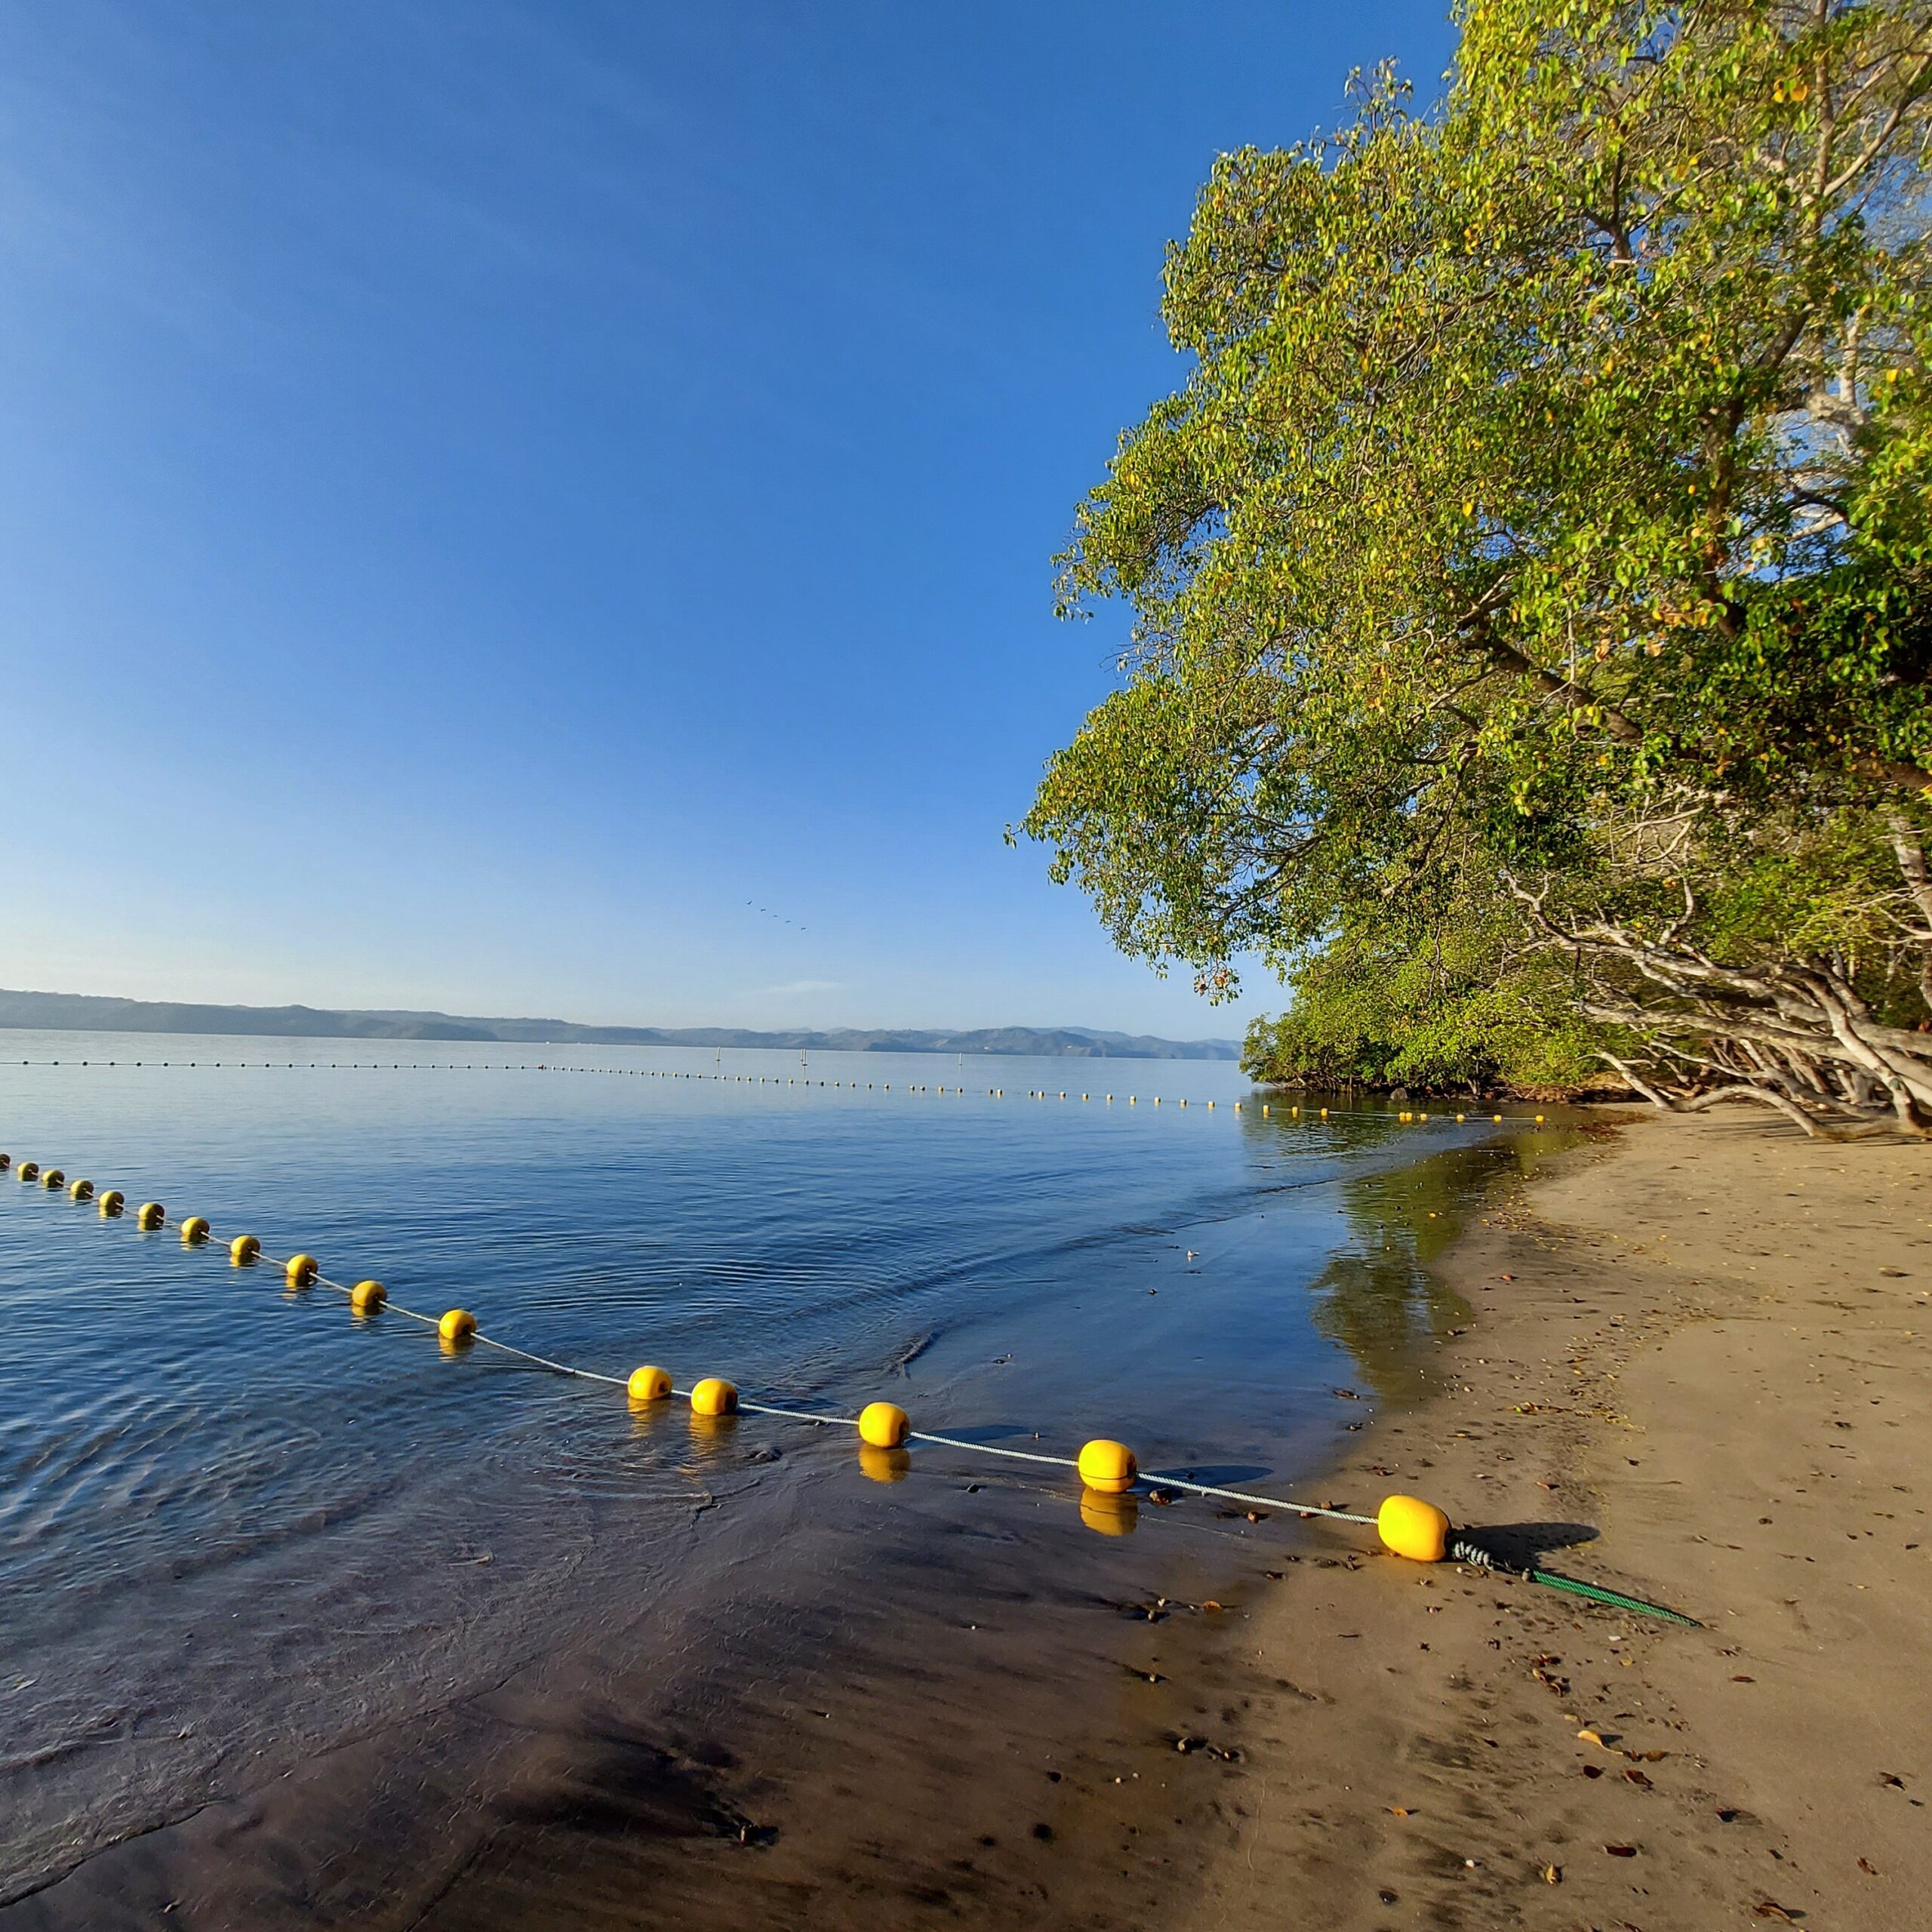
column 488, row 491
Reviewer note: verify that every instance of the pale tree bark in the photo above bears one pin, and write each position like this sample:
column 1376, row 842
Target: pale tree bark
column 1795, row 1035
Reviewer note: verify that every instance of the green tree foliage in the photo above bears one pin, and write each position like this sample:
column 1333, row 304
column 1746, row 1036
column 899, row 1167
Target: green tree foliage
column 1532, row 566
column 1443, row 1015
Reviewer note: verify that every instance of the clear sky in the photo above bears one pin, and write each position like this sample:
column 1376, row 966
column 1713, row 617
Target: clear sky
column 494, row 495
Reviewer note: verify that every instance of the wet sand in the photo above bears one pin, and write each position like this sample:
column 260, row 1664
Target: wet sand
column 1706, row 1344
column 951, row 1705
column 913, row 1719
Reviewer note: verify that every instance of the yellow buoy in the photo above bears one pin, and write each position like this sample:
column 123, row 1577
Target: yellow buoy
column 648, row 1384
column 149, row 1214
column 1108, row 1466
column 884, row 1425
column 714, row 1396
column 111, row 1203
column 1539, row 1120
column 81, row 1190
column 1108, row 1514
column 1497, row 1118
column 884, row 1465
column 54, row 1179
column 366, row 1297
column 30, row 1170
column 1461, row 1117
column 302, row 1269
column 243, row 1250
column 194, row 1231
column 1412, row 1528
column 458, row 1324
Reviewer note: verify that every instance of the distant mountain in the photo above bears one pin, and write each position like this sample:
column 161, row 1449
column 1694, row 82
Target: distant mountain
column 89, row 1012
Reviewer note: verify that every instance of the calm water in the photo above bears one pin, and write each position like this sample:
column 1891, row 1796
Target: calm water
column 238, row 1526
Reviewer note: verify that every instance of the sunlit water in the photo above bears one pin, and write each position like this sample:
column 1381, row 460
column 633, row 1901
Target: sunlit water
column 237, row 1525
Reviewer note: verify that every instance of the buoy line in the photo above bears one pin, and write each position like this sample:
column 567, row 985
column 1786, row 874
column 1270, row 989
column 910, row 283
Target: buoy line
column 1108, row 1471
column 1268, row 1108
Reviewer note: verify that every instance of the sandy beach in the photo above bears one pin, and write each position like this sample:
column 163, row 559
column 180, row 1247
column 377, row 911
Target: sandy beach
column 1707, row 1344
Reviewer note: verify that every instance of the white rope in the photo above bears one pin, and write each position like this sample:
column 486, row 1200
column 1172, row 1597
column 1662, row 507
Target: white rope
column 1261, row 1502
column 912, row 1435
column 992, row 1449
column 323, row 1282
column 476, row 1335
column 542, row 1361
column 836, row 1421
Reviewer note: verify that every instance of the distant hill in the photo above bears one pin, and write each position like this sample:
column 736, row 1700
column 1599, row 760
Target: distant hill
column 89, row 1012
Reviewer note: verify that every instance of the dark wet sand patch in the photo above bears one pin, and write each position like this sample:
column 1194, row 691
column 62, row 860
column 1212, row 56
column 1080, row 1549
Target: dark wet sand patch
column 958, row 1708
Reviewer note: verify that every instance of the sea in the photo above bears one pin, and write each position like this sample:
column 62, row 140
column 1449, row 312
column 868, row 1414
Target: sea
column 246, row 1537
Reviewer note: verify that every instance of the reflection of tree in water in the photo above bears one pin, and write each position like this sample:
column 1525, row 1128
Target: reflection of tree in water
column 1379, row 1298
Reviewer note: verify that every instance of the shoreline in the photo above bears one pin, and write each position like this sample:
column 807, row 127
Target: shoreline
column 1697, row 1369
column 936, row 1722
column 945, row 1693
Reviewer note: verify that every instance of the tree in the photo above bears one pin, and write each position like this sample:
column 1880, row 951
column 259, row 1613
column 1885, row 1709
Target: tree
column 1542, row 533
column 1467, row 1009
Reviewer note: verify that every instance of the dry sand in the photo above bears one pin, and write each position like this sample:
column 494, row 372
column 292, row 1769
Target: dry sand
column 1710, row 1342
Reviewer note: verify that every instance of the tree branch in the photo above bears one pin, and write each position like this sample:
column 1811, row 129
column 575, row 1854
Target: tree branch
column 1479, row 634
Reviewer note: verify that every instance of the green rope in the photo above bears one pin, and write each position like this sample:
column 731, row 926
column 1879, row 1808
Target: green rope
column 1463, row 1551
column 1612, row 1599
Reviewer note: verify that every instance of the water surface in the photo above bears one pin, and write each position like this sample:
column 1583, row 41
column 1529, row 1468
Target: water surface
column 239, row 1529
